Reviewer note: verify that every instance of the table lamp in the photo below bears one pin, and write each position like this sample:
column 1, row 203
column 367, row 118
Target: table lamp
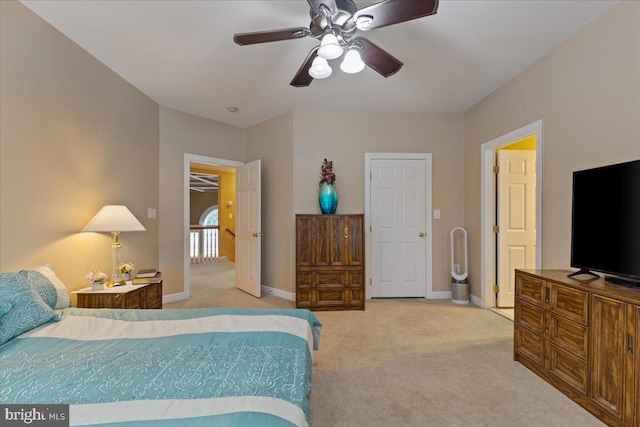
column 114, row 219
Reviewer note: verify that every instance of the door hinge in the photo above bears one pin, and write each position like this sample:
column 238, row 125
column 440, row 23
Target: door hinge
column 370, row 282
column 496, row 169
column 370, row 229
column 496, row 289
column 370, row 176
column 496, row 229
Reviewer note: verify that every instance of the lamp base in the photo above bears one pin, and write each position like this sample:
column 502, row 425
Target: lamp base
column 112, row 284
column 116, row 275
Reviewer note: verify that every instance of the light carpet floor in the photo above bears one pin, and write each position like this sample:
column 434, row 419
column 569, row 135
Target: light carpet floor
column 410, row 362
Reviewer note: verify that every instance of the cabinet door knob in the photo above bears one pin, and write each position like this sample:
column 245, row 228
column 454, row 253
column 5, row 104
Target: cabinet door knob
column 421, row 234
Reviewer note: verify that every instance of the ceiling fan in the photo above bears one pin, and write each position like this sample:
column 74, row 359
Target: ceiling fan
column 335, row 23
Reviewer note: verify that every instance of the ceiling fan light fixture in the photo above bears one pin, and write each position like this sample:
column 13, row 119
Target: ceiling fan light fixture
column 330, row 47
column 363, row 22
column 320, row 68
column 352, row 62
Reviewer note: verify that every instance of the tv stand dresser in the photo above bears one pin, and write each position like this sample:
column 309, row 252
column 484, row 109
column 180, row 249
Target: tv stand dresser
column 582, row 337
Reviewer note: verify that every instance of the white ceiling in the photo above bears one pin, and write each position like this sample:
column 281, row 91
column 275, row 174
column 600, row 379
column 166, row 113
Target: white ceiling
column 182, row 55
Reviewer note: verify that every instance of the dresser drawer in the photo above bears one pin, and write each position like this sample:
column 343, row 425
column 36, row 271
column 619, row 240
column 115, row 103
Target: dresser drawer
column 303, row 297
column 568, row 302
column 530, row 345
column 331, row 296
column 569, row 335
column 569, row 368
column 530, row 317
column 330, row 279
column 530, row 289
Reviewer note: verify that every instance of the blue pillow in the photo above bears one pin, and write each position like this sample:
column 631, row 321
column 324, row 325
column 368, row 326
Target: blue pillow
column 42, row 286
column 28, row 311
column 44, row 280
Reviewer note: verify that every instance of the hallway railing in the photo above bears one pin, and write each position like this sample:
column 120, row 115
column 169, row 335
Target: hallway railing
column 203, row 244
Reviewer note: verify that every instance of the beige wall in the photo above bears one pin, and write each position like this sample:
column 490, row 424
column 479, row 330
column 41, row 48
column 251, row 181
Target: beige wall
column 182, row 133
column 346, row 137
column 587, row 92
column 272, row 142
column 74, row 137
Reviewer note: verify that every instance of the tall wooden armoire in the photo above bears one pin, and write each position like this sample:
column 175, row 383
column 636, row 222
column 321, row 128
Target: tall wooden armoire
column 330, row 262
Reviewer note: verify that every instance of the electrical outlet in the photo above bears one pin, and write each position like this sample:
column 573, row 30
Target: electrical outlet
column 456, row 268
column 230, row 216
column 151, row 213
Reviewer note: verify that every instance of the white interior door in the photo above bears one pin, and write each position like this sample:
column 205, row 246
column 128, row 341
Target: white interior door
column 516, row 218
column 398, row 228
column 248, row 228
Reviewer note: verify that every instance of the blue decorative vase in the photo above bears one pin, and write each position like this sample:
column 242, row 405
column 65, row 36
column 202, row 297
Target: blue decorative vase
column 328, row 198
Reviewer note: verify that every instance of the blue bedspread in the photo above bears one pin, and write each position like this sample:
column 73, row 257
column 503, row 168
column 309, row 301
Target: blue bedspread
column 167, row 367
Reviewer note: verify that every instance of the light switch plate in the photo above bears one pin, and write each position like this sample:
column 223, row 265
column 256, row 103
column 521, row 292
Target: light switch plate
column 151, row 213
column 436, row 214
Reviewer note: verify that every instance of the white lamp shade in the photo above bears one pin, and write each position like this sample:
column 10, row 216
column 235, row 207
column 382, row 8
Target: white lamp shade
column 352, row 62
column 320, row 68
column 330, row 47
column 114, row 218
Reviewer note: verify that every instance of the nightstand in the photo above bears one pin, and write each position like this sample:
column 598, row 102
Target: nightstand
column 126, row 296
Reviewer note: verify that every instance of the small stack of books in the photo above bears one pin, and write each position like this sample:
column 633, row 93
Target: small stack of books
column 146, row 277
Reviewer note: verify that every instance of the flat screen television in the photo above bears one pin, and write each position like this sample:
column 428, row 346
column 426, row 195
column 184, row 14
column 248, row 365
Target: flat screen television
column 605, row 222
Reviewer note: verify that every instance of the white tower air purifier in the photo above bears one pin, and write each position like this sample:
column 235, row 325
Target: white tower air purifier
column 459, row 281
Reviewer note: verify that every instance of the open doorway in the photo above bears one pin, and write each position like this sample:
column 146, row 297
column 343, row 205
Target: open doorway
column 209, row 216
column 514, row 212
column 204, row 213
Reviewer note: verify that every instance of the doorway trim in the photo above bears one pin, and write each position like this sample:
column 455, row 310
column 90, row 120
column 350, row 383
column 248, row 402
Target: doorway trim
column 427, row 157
column 488, row 208
column 188, row 158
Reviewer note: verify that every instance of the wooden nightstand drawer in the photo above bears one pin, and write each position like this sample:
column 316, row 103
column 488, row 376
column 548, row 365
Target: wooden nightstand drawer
column 153, row 296
column 134, row 299
column 127, row 297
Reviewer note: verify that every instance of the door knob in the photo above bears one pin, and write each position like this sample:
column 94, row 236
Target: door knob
column 258, row 234
column 421, row 234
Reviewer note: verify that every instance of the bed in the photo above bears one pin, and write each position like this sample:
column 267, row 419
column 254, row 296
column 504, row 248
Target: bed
column 197, row 367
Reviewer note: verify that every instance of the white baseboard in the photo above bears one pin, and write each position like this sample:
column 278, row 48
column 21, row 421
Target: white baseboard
column 439, row 295
column 476, row 301
column 290, row 296
column 174, row 297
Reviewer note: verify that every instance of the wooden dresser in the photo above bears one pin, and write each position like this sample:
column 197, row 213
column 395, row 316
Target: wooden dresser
column 127, row 296
column 330, row 262
column 581, row 336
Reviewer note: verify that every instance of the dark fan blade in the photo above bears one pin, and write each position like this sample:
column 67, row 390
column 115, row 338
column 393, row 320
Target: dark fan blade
column 270, row 36
column 316, row 5
column 390, row 12
column 377, row 58
column 302, row 77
